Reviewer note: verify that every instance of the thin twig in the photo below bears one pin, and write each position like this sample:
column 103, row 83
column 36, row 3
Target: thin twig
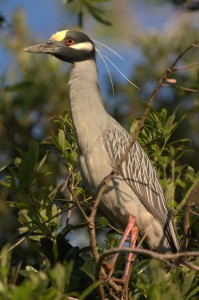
column 186, row 89
column 194, row 213
column 100, row 288
column 186, row 226
column 191, row 266
column 186, row 67
column 77, row 201
column 113, row 296
column 62, row 182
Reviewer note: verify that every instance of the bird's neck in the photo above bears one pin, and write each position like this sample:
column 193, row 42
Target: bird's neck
column 88, row 113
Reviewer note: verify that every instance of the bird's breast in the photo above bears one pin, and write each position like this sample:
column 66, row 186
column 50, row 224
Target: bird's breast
column 94, row 164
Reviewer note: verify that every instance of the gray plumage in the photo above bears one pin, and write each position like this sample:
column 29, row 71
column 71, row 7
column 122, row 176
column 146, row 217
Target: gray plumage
column 102, row 141
column 136, row 190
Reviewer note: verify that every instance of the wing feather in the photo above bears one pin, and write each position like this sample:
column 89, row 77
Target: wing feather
column 140, row 175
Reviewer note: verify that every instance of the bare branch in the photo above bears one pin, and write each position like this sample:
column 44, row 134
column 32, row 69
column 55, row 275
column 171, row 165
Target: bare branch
column 162, row 257
column 62, row 182
column 186, row 89
column 76, row 200
column 194, row 213
column 186, row 67
column 190, row 265
column 193, row 45
column 178, row 86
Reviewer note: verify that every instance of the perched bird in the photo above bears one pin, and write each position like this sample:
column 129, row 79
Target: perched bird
column 134, row 197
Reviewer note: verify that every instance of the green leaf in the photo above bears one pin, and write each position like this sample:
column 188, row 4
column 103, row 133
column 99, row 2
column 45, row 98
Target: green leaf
column 97, row 13
column 134, row 126
column 168, row 125
column 192, row 293
column 60, row 275
column 89, row 269
column 182, row 140
column 89, row 290
column 103, row 221
column 5, row 257
column 62, row 139
column 27, row 271
column 188, row 282
column 5, row 183
column 4, row 164
column 41, row 162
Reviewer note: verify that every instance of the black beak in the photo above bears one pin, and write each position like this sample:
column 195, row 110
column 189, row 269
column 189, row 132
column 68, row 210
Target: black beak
column 50, row 48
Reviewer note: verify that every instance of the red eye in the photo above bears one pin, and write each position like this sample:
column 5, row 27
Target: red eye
column 70, row 42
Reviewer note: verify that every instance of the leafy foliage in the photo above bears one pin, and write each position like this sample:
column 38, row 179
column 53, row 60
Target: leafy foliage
column 154, row 282
column 38, row 174
column 60, row 264
column 96, row 8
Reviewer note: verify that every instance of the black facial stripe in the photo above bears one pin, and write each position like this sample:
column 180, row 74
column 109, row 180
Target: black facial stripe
column 79, row 37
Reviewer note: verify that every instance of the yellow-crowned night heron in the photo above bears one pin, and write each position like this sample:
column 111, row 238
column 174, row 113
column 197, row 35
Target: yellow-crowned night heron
column 134, row 195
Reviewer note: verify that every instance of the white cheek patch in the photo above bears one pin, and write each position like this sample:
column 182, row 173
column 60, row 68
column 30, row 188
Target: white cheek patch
column 58, row 36
column 86, row 46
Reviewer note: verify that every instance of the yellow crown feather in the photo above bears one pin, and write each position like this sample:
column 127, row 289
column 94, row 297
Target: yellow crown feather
column 58, row 36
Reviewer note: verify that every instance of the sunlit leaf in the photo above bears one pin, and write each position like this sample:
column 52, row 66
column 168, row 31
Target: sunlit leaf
column 4, row 164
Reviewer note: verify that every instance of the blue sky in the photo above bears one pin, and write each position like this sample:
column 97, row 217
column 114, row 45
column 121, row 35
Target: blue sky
column 47, row 16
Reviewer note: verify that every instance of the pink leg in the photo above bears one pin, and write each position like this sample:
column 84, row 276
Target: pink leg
column 131, row 228
column 131, row 256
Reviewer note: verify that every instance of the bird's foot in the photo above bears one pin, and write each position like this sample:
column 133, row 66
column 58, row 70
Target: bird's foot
column 109, row 269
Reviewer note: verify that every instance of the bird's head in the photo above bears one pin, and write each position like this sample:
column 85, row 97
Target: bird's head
column 67, row 45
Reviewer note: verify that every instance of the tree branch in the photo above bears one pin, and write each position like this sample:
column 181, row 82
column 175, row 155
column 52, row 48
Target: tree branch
column 162, row 257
